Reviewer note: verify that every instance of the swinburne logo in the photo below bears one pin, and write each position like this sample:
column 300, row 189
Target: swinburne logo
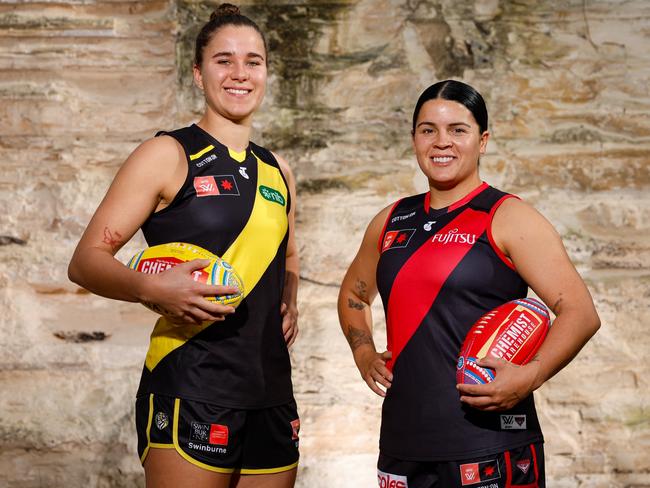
column 453, row 236
column 388, row 480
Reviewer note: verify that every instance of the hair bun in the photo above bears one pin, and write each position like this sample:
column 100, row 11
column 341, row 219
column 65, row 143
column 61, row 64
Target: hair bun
column 225, row 10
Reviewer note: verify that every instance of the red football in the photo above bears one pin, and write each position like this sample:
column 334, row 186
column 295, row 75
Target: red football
column 513, row 331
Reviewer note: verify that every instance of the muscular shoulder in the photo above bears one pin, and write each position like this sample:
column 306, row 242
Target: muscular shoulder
column 158, row 152
column 517, row 223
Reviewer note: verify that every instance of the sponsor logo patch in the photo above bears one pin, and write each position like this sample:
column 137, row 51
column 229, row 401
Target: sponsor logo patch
column 215, row 185
column 399, row 218
column 162, row 420
column 242, row 171
column 472, row 473
column 453, row 236
column 206, row 160
column 397, row 238
column 272, row 195
column 200, row 432
column 219, row 434
column 428, row 225
column 510, row 422
column 295, row 427
column 389, row 480
column 524, row 465
column 215, row 434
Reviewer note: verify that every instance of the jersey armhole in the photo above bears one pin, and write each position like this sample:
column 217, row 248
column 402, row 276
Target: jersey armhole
column 383, row 230
column 186, row 182
column 506, row 260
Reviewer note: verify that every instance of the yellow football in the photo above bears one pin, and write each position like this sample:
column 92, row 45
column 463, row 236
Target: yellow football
column 156, row 259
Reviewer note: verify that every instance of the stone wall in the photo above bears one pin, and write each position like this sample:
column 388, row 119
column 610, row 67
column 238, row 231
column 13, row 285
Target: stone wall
column 82, row 82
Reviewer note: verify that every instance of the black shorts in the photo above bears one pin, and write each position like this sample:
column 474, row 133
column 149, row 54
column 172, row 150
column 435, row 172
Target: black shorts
column 220, row 439
column 522, row 467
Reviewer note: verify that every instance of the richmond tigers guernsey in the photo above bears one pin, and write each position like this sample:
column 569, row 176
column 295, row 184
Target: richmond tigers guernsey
column 438, row 272
column 235, row 205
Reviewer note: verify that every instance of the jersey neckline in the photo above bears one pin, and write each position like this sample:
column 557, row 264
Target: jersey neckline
column 239, row 156
column 458, row 203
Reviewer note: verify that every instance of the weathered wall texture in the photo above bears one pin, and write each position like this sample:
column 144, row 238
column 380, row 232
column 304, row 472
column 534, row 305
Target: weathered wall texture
column 82, row 82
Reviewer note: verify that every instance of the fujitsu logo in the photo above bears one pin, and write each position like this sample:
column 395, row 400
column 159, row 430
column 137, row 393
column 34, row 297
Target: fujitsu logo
column 388, row 480
column 453, row 236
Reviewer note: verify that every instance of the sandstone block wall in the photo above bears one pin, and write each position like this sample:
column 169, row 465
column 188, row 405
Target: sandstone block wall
column 82, row 82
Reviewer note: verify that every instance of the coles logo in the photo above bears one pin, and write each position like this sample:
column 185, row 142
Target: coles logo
column 388, row 480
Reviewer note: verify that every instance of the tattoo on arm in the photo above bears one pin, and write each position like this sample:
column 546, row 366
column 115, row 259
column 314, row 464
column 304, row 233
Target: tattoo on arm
column 355, row 305
column 358, row 337
column 361, row 288
column 113, row 239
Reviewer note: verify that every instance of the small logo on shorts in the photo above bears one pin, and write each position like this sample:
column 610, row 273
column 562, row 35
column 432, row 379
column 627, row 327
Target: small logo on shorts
column 200, row 432
column 216, row 434
column 524, row 465
column 389, row 480
column 473, row 473
column 219, row 434
column 510, row 422
column 295, row 428
column 162, row 420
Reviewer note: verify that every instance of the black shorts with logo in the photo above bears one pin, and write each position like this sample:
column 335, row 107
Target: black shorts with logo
column 522, row 467
column 219, row 439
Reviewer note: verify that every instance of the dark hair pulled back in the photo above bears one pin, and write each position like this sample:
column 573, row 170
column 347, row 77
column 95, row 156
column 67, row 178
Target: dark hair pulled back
column 456, row 91
column 225, row 14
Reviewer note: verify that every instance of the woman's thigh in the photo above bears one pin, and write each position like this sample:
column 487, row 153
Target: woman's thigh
column 285, row 479
column 165, row 468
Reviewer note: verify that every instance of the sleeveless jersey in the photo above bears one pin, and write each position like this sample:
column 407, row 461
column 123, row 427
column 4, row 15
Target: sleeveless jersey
column 438, row 272
column 235, row 205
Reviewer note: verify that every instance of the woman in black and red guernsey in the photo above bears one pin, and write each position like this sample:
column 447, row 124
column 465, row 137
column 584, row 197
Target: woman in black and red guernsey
column 440, row 260
column 215, row 406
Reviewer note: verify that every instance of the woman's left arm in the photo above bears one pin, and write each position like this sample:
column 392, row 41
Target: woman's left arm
column 537, row 253
column 289, row 308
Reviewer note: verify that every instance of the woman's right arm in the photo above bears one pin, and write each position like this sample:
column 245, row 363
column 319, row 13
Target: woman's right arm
column 148, row 180
column 358, row 290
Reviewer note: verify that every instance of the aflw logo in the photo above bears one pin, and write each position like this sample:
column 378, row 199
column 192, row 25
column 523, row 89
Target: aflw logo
column 509, row 422
column 455, row 237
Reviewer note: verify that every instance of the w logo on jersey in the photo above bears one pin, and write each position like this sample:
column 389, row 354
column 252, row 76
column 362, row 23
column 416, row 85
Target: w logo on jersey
column 397, row 238
column 472, row 473
column 206, row 186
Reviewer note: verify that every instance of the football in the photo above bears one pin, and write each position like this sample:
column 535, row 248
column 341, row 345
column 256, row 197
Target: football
column 156, row 259
column 513, row 331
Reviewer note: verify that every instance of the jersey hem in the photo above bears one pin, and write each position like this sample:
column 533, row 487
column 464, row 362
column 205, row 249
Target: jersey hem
column 235, row 405
column 460, row 456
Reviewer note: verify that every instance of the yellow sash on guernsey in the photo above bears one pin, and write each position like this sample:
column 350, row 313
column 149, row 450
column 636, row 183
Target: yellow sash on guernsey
column 250, row 254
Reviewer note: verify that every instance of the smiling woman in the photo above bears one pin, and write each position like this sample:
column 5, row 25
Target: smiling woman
column 215, row 405
column 440, row 260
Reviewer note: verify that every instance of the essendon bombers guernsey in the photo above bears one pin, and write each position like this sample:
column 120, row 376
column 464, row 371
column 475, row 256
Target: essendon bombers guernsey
column 235, row 205
column 438, row 272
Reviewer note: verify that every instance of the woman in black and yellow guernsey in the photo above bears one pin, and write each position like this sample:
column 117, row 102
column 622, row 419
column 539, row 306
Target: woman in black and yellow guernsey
column 216, row 410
